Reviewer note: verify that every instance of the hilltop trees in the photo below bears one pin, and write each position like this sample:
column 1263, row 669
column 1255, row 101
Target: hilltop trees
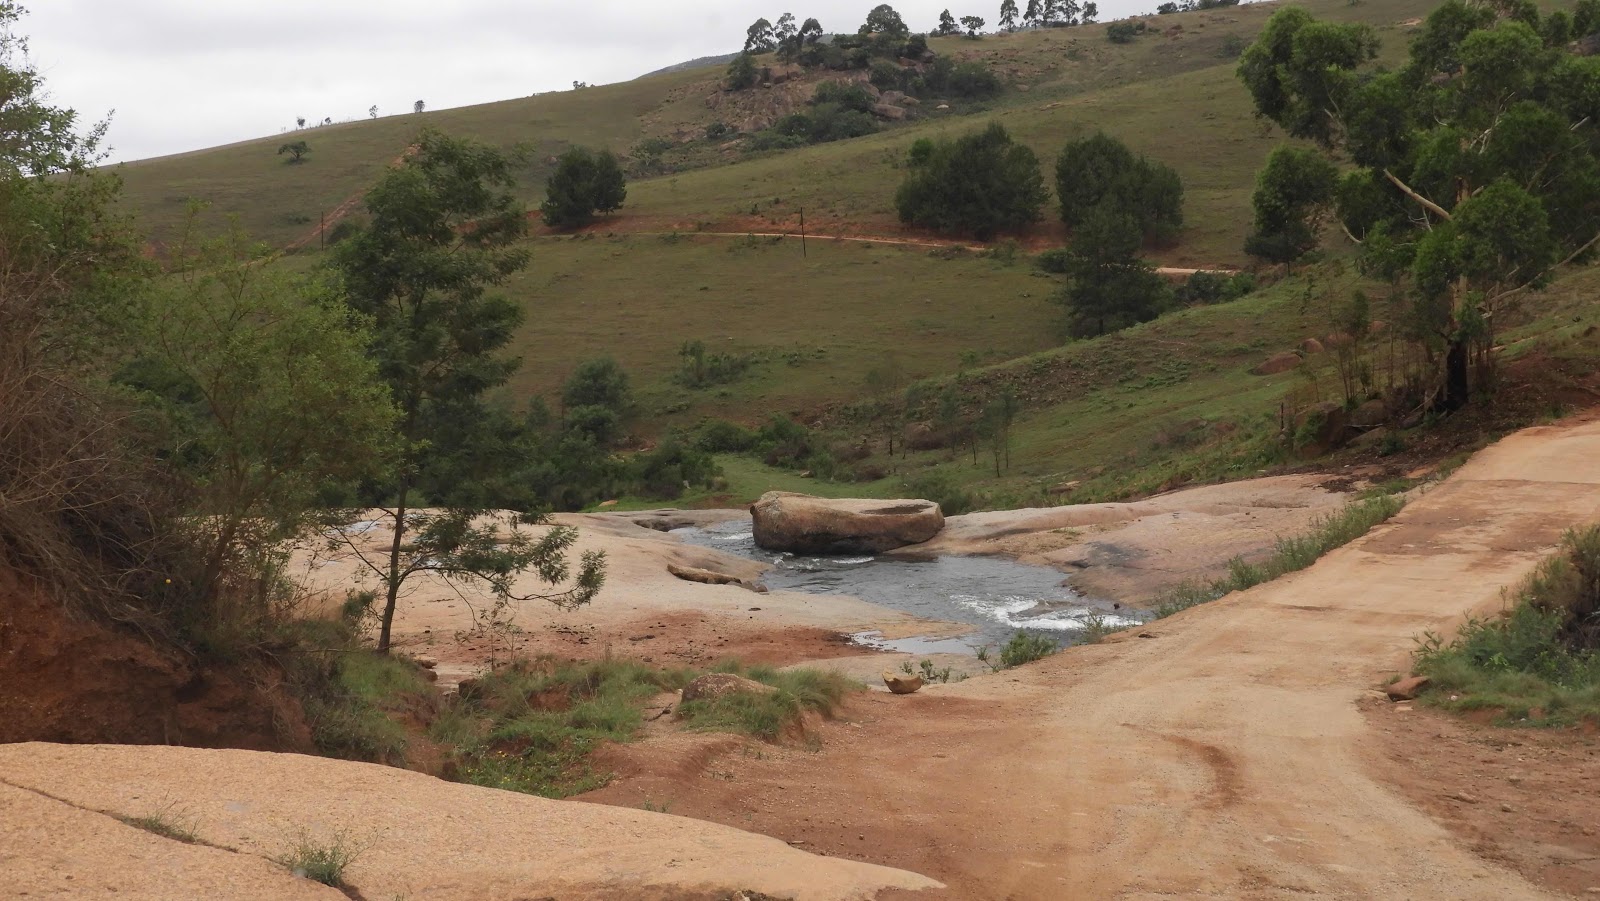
column 424, row 281
column 760, row 37
column 1008, row 14
column 947, row 25
column 583, row 184
column 979, row 184
column 296, row 150
column 973, row 25
column 884, row 20
column 1477, row 161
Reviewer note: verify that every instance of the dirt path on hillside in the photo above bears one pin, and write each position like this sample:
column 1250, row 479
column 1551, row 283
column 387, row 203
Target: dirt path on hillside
column 1219, row 753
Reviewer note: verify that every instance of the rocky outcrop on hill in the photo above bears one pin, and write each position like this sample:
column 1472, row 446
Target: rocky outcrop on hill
column 803, row 524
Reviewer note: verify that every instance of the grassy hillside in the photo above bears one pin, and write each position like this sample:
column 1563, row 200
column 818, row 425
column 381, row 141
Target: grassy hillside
column 1163, row 403
column 1171, row 94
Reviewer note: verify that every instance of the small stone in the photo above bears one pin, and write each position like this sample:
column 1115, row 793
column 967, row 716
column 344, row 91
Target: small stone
column 1507, row 808
column 1463, row 797
column 902, row 685
column 1407, row 689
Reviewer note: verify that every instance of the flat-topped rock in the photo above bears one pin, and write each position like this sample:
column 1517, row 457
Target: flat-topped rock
column 802, row 524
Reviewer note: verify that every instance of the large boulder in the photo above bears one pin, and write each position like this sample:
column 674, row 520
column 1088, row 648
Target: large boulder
column 902, row 685
column 716, row 685
column 803, row 524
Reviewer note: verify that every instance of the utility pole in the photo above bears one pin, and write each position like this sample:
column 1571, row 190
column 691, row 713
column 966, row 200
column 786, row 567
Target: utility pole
column 802, row 232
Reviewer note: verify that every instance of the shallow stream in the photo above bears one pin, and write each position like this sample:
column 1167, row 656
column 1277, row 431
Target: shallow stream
column 997, row 597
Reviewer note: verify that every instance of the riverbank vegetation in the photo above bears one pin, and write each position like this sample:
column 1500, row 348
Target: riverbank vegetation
column 1537, row 663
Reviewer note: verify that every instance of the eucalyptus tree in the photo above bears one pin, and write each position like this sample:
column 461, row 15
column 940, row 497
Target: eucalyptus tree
column 1475, row 164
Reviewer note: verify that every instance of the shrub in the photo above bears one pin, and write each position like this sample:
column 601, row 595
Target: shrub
column 1538, row 662
column 1124, row 32
column 765, row 716
column 1026, row 647
column 887, row 75
column 980, row 184
column 940, row 488
column 719, row 436
column 664, row 473
column 323, row 861
column 742, row 72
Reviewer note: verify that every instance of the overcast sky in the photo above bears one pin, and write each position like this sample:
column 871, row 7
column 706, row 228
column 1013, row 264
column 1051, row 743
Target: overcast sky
column 187, row 74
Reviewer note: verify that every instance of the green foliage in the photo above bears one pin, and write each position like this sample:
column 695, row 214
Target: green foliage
column 1213, row 287
column 980, row 184
column 1100, row 171
column 424, row 284
column 1537, row 663
column 883, row 20
column 1026, row 647
column 1293, row 191
column 700, row 369
column 1476, row 172
column 1124, row 32
column 940, row 488
column 323, row 860
column 600, row 382
column 765, row 716
column 742, row 73
column 1109, row 287
column 168, row 821
column 266, row 397
column 719, row 436
column 1290, row 555
column 583, row 184
column 296, row 150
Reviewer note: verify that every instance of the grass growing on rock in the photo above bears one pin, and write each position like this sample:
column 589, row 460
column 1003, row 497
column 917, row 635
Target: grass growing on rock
column 531, row 726
column 765, row 716
column 1291, row 554
column 1537, row 663
column 323, row 860
column 169, row 821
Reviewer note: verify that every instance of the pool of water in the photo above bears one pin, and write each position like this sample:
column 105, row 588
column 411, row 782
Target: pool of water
column 995, row 596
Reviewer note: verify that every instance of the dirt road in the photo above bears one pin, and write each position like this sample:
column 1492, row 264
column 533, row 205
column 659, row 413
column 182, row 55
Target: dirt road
column 1219, row 753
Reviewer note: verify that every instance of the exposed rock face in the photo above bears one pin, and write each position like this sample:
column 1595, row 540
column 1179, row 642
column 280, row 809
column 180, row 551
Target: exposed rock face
column 703, row 576
column 888, row 111
column 716, row 685
column 902, row 684
column 803, row 524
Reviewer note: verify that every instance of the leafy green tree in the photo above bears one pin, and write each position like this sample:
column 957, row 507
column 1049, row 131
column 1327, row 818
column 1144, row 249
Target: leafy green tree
column 1477, row 160
column 1091, row 12
column 979, row 184
column 584, row 183
column 973, row 25
column 742, row 72
column 760, row 37
column 35, row 137
column 1109, row 287
column 1100, row 170
column 947, row 25
column 1008, row 14
column 296, row 150
column 1032, row 14
column 270, row 394
column 598, row 383
column 444, row 229
column 884, row 20
column 1293, row 193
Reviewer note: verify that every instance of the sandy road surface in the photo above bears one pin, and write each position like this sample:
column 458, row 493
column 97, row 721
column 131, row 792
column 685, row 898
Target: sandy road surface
column 1222, row 757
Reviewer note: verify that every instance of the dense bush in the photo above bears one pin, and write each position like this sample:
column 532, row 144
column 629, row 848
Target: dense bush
column 1205, row 288
column 1539, row 662
column 980, row 184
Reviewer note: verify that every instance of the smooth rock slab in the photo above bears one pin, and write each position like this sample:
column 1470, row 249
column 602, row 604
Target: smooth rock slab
column 802, row 524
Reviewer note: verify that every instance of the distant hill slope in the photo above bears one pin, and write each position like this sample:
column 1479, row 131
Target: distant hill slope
column 1066, row 81
column 700, row 63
